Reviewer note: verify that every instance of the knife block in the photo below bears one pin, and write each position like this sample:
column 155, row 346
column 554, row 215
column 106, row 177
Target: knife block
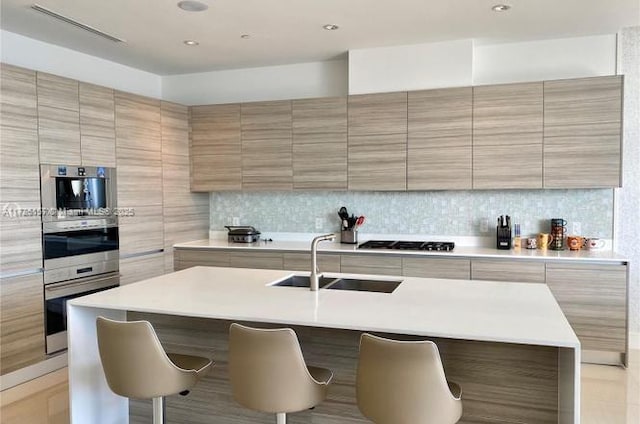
column 503, row 238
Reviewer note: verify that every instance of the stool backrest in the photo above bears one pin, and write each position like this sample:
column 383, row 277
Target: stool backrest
column 267, row 370
column 134, row 362
column 402, row 382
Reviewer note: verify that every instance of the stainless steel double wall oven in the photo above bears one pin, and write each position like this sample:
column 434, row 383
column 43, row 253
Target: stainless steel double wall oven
column 79, row 240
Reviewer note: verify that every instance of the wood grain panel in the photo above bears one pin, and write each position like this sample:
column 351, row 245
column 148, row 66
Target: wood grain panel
column 21, row 243
column 186, row 258
column 517, row 271
column 261, row 260
column 507, row 114
column 450, row 268
column 384, row 113
column 501, row 383
column 140, row 268
column 182, row 224
column 371, row 264
column 377, row 162
column 266, row 120
column 176, row 184
column 320, row 143
column 442, row 113
column 18, row 102
column 302, row 262
column 439, row 163
column 97, row 125
column 59, row 135
column 21, row 320
column 497, row 167
column 216, row 148
column 137, row 122
column 593, row 298
column 267, row 164
column 142, row 232
column 139, row 178
column 57, row 92
column 591, row 161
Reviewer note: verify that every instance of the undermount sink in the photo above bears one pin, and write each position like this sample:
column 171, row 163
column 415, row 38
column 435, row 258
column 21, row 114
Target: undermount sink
column 302, row 281
column 355, row 284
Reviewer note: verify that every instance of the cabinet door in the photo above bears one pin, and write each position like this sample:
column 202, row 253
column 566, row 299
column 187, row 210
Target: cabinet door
column 371, row 264
column 451, row 268
column 378, row 162
column 216, row 148
column 58, row 119
column 439, row 139
column 593, row 298
column 515, row 271
column 140, row 268
column 187, row 258
column 22, row 322
column 185, row 214
column 20, row 236
column 302, row 262
column 138, row 151
column 267, row 160
column 384, row 113
column 320, row 143
column 261, row 260
column 507, row 136
column 582, row 132
column 97, row 125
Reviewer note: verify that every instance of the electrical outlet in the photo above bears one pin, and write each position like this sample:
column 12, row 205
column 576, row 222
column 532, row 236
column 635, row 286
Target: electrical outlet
column 318, row 223
column 484, row 225
column 576, row 228
column 236, row 220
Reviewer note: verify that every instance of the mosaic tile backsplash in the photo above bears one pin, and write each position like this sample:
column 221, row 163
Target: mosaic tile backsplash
column 452, row 213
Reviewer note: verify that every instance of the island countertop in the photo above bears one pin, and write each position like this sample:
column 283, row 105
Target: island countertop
column 468, row 310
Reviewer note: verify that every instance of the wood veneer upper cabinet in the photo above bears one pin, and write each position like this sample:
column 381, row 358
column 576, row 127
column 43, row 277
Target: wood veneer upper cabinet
column 439, row 139
column 97, row 125
column 594, row 300
column 216, row 148
column 582, row 132
column 21, row 317
column 384, row 113
column 267, row 160
column 507, row 136
column 58, row 119
column 320, row 143
column 20, row 237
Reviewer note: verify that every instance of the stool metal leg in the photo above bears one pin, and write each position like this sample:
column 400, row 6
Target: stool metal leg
column 158, row 410
column 281, row 418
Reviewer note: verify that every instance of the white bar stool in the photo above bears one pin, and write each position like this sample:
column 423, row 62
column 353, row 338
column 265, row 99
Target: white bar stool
column 268, row 372
column 403, row 382
column 136, row 366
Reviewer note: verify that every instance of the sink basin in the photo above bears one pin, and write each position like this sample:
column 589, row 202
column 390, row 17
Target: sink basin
column 302, row 281
column 380, row 286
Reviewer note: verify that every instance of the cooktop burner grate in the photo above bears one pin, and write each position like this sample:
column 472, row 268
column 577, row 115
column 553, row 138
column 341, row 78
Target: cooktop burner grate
column 438, row 246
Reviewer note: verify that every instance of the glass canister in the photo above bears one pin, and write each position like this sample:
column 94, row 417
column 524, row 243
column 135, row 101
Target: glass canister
column 558, row 231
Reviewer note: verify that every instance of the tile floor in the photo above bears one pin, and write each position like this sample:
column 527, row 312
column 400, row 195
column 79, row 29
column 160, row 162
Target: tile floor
column 610, row 395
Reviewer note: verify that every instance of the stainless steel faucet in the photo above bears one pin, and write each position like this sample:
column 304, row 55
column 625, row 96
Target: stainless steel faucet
column 315, row 275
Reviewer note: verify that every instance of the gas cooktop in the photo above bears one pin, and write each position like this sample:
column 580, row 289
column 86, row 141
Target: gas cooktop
column 439, row 246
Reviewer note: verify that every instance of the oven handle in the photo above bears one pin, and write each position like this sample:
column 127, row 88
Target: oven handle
column 79, row 285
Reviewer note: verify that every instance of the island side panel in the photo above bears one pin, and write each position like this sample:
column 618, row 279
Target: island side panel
column 569, row 385
column 501, row 382
column 91, row 400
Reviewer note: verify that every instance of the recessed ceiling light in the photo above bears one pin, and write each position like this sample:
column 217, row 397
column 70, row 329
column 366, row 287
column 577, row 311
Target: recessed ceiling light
column 245, row 36
column 191, row 42
column 192, row 6
column 501, row 8
column 330, row 27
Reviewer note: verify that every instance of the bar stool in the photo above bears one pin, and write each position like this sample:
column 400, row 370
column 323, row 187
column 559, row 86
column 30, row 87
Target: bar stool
column 136, row 366
column 268, row 372
column 403, row 382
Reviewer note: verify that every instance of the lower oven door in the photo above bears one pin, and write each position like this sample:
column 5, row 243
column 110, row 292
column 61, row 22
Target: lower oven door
column 56, row 296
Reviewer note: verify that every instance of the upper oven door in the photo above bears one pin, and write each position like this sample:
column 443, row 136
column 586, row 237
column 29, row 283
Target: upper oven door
column 80, row 242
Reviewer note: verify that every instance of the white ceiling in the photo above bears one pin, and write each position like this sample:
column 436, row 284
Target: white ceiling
column 290, row 31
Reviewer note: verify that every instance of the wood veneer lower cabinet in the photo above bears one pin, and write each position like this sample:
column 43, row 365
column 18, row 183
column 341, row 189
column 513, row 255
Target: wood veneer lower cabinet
column 186, row 258
column 302, row 262
column 138, row 268
column 594, row 300
column 513, row 271
column 260, row 260
column 21, row 320
column 451, row 268
column 371, row 264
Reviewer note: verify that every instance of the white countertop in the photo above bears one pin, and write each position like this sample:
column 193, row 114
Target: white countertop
column 459, row 251
column 471, row 310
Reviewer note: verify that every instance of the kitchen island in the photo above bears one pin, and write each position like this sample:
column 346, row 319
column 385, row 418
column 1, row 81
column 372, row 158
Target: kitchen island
column 509, row 346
